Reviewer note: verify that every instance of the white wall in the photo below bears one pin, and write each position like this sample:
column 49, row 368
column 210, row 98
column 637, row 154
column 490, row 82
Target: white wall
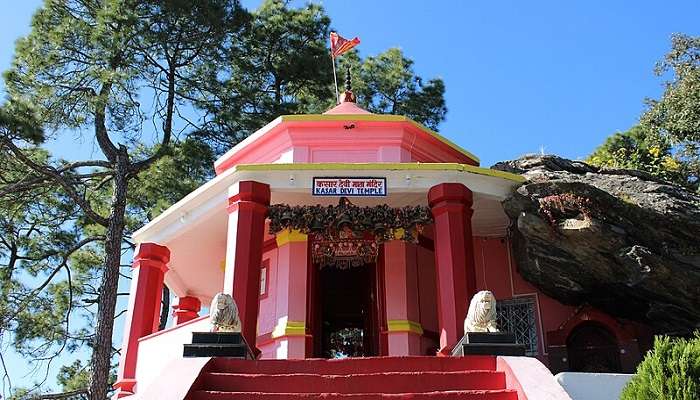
column 593, row 386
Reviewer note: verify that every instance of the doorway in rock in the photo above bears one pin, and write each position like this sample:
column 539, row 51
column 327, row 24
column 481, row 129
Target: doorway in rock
column 592, row 347
column 347, row 312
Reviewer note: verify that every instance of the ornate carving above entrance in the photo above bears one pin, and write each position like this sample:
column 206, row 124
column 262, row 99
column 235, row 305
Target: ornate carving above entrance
column 347, row 220
column 343, row 253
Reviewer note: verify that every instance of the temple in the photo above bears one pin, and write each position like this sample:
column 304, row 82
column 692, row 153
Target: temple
column 418, row 229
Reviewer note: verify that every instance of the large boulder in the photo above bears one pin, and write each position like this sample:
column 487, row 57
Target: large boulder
column 619, row 240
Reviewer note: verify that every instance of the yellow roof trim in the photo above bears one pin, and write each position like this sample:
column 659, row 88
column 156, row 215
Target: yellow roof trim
column 381, row 166
column 378, row 118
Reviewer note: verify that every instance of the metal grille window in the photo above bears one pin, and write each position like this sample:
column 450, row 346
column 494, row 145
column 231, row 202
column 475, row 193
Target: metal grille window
column 518, row 316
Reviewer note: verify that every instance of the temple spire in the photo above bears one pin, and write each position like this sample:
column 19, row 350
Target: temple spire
column 348, row 96
column 348, row 80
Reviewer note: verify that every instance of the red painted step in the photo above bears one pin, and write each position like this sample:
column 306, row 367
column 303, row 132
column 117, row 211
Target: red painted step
column 419, row 378
column 355, row 365
column 442, row 395
column 384, row 382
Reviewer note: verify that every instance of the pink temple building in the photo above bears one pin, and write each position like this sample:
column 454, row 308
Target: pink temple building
column 409, row 298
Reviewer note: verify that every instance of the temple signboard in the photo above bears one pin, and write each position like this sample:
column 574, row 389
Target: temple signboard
column 349, row 186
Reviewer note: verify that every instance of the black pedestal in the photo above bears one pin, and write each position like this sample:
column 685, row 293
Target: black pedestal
column 218, row 344
column 488, row 343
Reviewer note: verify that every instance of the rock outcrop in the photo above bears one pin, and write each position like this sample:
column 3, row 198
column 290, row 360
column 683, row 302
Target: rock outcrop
column 619, row 240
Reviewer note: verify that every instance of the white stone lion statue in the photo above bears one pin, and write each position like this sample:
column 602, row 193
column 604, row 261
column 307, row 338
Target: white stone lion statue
column 481, row 316
column 223, row 314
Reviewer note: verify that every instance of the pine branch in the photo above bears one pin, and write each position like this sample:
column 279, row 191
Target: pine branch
column 167, row 127
column 52, row 275
column 56, row 176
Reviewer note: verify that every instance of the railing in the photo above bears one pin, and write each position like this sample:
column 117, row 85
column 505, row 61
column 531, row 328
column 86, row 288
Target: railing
column 158, row 349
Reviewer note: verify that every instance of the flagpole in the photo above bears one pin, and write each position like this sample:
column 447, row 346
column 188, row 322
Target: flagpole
column 335, row 80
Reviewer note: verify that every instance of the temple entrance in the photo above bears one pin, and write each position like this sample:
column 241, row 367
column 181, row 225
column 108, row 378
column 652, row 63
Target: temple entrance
column 346, row 311
column 593, row 348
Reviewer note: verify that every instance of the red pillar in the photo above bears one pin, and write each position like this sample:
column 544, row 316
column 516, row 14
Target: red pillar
column 186, row 309
column 454, row 258
column 142, row 314
column 248, row 203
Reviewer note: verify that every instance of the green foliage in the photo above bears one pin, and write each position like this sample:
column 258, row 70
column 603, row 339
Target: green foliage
column 677, row 113
column 667, row 141
column 281, row 65
column 641, row 149
column 160, row 87
column 186, row 166
column 18, row 120
column 278, row 65
column 671, row 371
column 387, row 84
column 75, row 376
column 86, row 67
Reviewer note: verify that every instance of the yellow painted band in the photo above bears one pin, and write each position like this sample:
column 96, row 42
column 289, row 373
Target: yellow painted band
column 289, row 328
column 404, row 325
column 287, row 236
column 382, row 166
column 377, row 118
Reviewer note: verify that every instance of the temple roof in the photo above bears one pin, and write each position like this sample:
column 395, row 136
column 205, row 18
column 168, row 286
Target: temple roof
column 348, row 108
column 345, row 133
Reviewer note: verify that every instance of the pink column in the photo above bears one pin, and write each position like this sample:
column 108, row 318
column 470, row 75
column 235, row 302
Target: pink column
column 143, row 312
column 454, row 258
column 402, row 309
column 292, row 264
column 248, row 202
column 186, row 309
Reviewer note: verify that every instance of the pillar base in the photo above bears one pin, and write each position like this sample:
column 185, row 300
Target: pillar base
column 125, row 387
column 404, row 343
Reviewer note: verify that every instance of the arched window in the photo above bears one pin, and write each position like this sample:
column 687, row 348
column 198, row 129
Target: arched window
column 593, row 348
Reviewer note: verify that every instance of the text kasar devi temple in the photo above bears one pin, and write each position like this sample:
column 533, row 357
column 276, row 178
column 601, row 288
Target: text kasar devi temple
column 354, row 236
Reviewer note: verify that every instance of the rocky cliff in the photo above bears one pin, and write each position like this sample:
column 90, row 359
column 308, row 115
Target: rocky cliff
column 619, row 240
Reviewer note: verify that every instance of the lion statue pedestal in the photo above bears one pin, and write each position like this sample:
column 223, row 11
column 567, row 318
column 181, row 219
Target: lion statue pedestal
column 224, row 338
column 481, row 334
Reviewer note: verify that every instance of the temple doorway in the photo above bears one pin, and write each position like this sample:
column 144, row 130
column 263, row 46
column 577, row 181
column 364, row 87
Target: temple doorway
column 593, row 348
column 347, row 312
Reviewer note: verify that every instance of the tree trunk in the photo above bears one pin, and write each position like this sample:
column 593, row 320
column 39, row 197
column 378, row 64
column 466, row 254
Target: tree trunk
column 102, row 345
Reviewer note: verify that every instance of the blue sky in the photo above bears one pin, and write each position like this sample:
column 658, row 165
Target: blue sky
column 520, row 76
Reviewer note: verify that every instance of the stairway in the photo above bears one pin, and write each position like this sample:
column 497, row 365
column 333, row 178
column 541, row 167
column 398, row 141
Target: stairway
column 464, row 378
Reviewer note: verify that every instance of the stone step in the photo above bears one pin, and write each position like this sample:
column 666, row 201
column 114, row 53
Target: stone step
column 217, row 337
column 216, row 350
column 494, row 349
column 489, row 337
column 441, row 395
column 384, row 382
column 353, row 365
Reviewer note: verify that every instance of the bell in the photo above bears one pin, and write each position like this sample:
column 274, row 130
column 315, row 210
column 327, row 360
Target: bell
column 286, row 218
column 344, row 201
column 318, row 225
column 379, row 230
column 343, row 222
column 366, row 222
